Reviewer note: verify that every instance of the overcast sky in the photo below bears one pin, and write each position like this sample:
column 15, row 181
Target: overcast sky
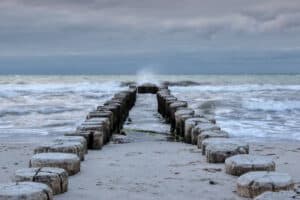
column 168, row 36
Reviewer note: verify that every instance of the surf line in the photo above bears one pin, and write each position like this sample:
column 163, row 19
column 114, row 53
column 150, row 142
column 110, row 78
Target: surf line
column 62, row 156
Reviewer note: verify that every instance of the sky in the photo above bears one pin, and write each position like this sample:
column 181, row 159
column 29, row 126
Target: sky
column 166, row 36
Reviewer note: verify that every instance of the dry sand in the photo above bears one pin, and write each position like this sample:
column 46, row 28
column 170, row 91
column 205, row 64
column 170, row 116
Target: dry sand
column 151, row 170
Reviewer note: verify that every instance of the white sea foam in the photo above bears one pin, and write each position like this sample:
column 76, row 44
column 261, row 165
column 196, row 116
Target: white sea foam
column 235, row 88
column 271, row 105
column 41, row 108
column 51, row 105
column 250, row 110
column 61, row 87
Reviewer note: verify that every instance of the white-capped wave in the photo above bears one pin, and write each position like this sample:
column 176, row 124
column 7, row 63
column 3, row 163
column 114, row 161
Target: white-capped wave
column 258, row 128
column 50, row 107
column 271, row 105
column 108, row 86
column 234, row 88
column 56, row 109
column 14, row 112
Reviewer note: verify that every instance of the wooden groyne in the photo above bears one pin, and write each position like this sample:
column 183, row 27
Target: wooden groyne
column 258, row 178
column 53, row 162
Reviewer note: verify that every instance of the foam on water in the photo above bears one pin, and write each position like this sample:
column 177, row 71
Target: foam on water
column 31, row 107
column 271, row 105
column 249, row 110
column 237, row 88
column 245, row 106
column 59, row 87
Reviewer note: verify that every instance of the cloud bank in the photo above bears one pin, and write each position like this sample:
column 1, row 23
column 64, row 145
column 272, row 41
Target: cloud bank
column 143, row 27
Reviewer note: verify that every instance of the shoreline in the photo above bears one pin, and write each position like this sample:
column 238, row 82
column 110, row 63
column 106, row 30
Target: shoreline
column 100, row 170
column 146, row 164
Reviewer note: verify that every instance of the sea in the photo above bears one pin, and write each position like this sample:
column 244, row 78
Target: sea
column 246, row 106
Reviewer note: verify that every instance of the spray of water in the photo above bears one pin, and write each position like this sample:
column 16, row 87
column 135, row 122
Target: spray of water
column 147, row 76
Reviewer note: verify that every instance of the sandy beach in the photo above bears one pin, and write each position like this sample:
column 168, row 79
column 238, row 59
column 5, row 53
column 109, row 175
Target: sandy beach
column 149, row 100
column 152, row 170
column 13, row 156
column 145, row 164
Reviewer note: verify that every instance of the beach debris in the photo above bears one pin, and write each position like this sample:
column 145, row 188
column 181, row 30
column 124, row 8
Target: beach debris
column 211, row 182
column 55, row 178
column 212, row 170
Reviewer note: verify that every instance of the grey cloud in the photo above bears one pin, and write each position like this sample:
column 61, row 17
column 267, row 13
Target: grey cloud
column 155, row 15
column 107, row 26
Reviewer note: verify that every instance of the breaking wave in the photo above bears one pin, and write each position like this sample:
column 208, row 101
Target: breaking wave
column 271, row 105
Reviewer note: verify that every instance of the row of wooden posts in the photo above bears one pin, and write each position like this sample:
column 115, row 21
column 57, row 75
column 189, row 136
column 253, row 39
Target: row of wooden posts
column 257, row 176
column 54, row 161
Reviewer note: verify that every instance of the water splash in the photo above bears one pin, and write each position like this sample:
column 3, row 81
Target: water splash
column 147, row 75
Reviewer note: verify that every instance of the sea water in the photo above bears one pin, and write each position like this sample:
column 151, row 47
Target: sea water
column 252, row 106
